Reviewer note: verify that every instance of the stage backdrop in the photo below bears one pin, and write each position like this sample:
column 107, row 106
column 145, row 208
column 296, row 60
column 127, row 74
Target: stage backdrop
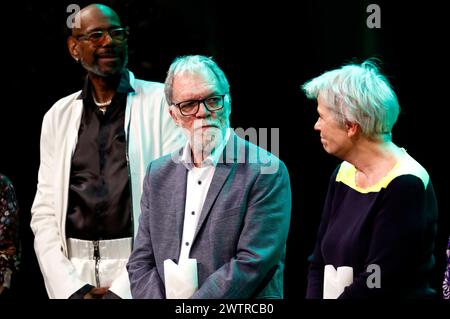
column 267, row 51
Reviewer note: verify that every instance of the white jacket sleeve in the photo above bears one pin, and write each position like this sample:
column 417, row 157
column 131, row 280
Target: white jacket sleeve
column 172, row 137
column 60, row 277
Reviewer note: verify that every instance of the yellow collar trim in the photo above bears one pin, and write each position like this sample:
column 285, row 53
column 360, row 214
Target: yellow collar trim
column 406, row 165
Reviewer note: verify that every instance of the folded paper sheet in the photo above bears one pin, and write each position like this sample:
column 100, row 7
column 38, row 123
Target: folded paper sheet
column 180, row 280
column 334, row 281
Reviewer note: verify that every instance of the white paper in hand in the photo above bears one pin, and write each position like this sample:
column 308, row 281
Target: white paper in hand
column 334, row 281
column 180, row 280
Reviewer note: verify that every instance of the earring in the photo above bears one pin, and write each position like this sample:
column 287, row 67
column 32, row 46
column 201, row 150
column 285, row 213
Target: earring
column 76, row 60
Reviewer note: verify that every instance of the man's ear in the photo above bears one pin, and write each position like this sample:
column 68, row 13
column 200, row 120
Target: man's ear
column 352, row 129
column 173, row 114
column 72, row 45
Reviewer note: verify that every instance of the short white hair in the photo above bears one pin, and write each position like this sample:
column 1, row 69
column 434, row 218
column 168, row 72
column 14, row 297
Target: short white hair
column 358, row 94
column 193, row 64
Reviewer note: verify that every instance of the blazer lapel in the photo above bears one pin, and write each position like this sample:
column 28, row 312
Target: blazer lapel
column 219, row 178
column 178, row 203
column 221, row 174
column 74, row 126
column 66, row 151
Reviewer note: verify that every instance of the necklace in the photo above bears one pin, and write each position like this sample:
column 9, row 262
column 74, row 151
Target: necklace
column 101, row 104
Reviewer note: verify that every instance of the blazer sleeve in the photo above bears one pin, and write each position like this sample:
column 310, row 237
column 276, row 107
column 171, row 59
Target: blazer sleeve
column 60, row 277
column 261, row 243
column 145, row 281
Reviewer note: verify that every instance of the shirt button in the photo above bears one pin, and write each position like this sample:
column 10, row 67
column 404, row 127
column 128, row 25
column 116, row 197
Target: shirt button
column 199, row 182
column 193, row 213
column 187, row 244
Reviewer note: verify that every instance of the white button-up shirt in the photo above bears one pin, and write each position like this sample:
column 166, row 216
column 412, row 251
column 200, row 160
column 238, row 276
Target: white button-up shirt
column 198, row 182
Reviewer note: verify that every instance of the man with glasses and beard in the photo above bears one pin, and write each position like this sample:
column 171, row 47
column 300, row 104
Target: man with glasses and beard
column 214, row 223
column 95, row 146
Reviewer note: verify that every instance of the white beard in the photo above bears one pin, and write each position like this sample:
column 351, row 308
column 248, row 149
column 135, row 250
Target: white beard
column 204, row 142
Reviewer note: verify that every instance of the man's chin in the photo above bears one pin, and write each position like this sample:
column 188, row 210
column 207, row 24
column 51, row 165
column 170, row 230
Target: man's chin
column 109, row 69
column 106, row 72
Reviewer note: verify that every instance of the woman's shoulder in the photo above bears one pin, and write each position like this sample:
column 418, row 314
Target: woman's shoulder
column 408, row 166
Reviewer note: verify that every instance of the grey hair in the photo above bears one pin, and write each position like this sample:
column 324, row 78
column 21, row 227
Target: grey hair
column 358, row 94
column 193, row 64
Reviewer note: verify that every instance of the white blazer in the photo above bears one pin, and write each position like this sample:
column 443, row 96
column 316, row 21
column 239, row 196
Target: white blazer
column 150, row 133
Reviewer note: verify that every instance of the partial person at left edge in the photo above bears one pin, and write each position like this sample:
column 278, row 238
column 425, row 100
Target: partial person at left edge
column 9, row 239
column 446, row 282
column 95, row 146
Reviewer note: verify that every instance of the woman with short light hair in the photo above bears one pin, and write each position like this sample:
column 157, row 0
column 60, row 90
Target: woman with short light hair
column 378, row 227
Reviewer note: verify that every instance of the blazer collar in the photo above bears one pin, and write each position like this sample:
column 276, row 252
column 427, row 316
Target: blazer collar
column 234, row 149
column 220, row 176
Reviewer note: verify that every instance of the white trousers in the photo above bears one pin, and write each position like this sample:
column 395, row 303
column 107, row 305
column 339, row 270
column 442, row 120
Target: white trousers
column 99, row 262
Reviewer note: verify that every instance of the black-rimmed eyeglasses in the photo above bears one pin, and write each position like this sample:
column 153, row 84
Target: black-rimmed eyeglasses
column 191, row 107
column 117, row 34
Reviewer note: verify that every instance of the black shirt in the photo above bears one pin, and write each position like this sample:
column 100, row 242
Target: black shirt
column 391, row 226
column 99, row 191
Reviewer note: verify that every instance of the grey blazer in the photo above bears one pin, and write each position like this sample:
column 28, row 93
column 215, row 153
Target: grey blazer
column 240, row 240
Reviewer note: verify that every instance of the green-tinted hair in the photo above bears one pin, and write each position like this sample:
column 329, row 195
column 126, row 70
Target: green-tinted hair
column 358, row 94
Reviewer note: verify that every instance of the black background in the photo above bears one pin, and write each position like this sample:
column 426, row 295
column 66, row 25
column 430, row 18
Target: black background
column 267, row 50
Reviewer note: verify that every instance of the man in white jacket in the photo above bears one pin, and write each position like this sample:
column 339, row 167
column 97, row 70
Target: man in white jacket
column 95, row 147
